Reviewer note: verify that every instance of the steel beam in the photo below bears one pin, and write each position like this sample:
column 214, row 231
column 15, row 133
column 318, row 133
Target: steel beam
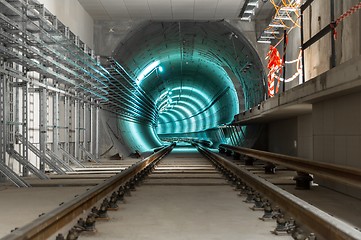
column 77, row 129
column 56, row 123
column 338, row 173
column 97, row 122
column 219, row 134
column 67, row 117
column 52, row 163
column 94, row 129
column 45, row 226
column 25, row 133
column 10, row 112
column 12, row 176
column 322, row 223
column 229, row 129
column 223, row 134
column 42, row 126
column 2, row 120
column 305, row 5
column 229, row 134
column 88, row 154
column 28, row 165
column 59, row 160
column 236, row 135
column 71, row 158
column 333, row 41
column 241, row 140
column 85, row 127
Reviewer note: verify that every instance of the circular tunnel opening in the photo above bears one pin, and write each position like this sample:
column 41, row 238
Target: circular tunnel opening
column 199, row 75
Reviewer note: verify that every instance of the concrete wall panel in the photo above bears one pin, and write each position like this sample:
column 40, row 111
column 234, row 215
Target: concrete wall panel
column 305, row 136
column 283, row 136
column 348, row 44
column 73, row 15
column 343, row 145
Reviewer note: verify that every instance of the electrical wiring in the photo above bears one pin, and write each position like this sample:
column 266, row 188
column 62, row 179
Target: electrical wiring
column 287, row 15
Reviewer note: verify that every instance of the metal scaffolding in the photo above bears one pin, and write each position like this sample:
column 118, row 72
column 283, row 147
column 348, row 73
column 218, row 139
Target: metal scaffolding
column 52, row 87
column 3, row 167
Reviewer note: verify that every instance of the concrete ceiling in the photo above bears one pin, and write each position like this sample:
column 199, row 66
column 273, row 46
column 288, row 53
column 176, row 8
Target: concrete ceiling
column 115, row 10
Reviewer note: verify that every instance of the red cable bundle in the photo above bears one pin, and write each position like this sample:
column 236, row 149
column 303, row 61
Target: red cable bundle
column 343, row 16
column 274, row 65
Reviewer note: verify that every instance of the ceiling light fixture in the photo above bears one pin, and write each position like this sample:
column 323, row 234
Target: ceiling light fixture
column 149, row 70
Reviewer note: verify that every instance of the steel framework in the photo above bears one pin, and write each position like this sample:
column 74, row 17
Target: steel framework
column 53, row 81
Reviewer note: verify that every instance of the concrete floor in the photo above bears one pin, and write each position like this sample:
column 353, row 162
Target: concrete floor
column 183, row 199
column 19, row 206
column 339, row 205
column 184, row 205
column 185, row 212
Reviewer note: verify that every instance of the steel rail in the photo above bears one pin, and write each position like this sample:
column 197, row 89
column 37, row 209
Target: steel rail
column 319, row 221
column 48, row 224
column 337, row 173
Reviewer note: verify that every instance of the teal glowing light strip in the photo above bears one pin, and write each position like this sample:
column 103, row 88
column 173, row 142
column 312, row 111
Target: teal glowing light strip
column 147, row 71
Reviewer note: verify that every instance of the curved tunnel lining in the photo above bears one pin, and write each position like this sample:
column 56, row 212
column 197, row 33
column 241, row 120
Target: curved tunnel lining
column 183, row 48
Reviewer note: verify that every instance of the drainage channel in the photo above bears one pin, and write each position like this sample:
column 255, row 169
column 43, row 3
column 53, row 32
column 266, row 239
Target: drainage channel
column 185, row 197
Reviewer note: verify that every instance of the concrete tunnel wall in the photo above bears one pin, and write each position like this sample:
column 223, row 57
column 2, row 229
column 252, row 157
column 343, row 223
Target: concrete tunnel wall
column 310, row 142
column 314, row 133
column 331, row 132
column 121, row 138
column 105, row 46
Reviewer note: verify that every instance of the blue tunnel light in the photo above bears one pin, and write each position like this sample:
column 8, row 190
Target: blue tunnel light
column 148, row 70
column 188, row 98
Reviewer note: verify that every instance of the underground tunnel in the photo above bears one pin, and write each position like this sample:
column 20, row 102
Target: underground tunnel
column 196, row 75
column 195, row 119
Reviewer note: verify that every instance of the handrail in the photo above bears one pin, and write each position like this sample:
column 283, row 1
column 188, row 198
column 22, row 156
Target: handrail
column 338, row 173
column 49, row 223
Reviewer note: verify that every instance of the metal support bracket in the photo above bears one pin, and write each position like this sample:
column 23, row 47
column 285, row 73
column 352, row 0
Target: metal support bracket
column 53, row 164
column 12, row 176
column 88, row 154
column 71, row 158
column 28, row 165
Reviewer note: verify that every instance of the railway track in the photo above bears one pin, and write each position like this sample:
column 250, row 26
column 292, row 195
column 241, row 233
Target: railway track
column 193, row 190
column 185, row 197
